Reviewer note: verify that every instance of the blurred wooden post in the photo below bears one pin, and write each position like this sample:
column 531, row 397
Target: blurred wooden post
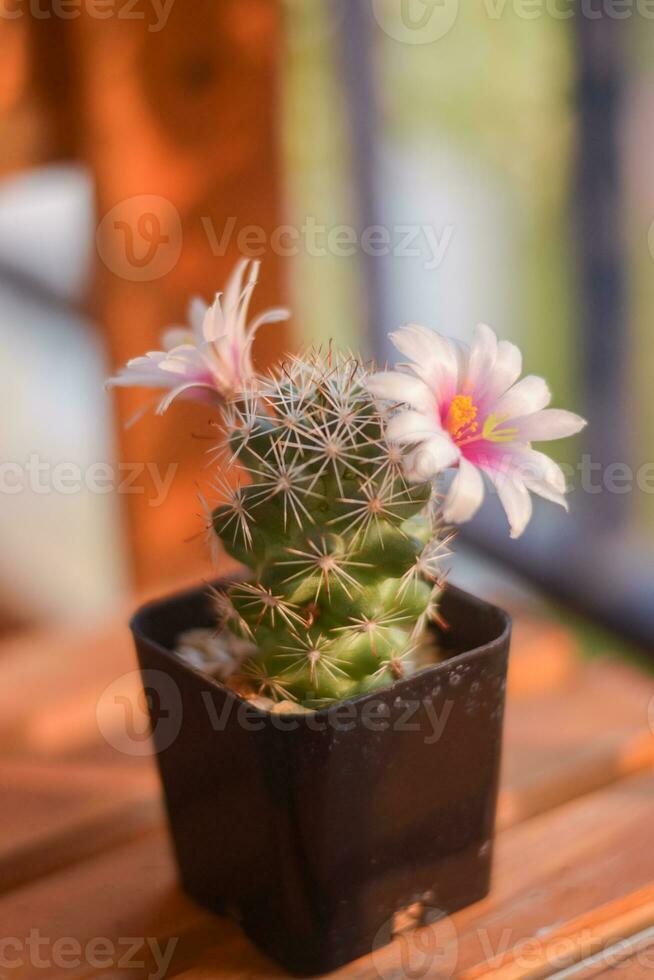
column 178, row 122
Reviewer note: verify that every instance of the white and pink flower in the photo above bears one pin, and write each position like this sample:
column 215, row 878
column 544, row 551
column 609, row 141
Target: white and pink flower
column 211, row 360
column 467, row 409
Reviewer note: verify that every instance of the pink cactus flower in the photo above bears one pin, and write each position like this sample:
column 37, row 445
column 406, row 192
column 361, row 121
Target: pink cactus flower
column 212, row 360
column 466, row 408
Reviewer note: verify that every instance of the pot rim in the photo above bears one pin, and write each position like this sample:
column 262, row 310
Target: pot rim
column 137, row 627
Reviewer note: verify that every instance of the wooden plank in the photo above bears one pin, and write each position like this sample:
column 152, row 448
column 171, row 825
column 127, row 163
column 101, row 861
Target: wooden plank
column 582, row 947
column 43, row 664
column 617, row 964
column 129, row 893
column 544, row 656
column 588, row 726
column 550, row 872
column 51, row 696
column 564, row 883
column 53, row 681
column 574, row 736
column 58, row 815
column 591, row 728
column 555, row 868
column 567, row 741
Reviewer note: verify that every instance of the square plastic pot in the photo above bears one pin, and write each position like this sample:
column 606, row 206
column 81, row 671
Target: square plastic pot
column 315, row 830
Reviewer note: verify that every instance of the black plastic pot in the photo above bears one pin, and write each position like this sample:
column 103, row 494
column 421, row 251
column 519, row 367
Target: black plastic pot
column 316, row 829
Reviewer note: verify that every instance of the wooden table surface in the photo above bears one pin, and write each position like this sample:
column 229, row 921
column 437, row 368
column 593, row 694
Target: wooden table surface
column 87, row 882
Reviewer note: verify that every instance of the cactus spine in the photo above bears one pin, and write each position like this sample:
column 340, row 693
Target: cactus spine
column 343, row 552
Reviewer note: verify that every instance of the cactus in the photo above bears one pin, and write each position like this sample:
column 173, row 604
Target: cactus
column 341, row 532
column 344, row 554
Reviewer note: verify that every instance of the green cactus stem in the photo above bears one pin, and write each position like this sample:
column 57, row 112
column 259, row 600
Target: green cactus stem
column 344, row 554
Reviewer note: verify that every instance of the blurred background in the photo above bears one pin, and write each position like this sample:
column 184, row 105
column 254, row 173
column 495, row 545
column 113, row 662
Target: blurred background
column 389, row 161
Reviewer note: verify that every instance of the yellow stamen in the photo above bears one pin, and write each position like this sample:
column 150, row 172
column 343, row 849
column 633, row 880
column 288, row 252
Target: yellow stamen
column 494, row 433
column 461, row 415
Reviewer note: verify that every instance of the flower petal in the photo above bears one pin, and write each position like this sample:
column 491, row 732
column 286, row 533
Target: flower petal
column 411, row 426
column 434, row 357
column 197, row 311
column 516, row 501
column 430, row 458
column 143, row 372
column 524, row 465
column 176, row 337
column 168, row 399
column 186, row 361
column 529, row 395
column 465, row 495
column 530, row 465
column 551, row 423
column 481, row 361
column 236, row 316
column 545, row 490
column 231, row 364
column 228, row 312
column 214, row 322
column 506, row 371
column 213, row 357
column 274, row 315
column 543, row 476
column 397, row 387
